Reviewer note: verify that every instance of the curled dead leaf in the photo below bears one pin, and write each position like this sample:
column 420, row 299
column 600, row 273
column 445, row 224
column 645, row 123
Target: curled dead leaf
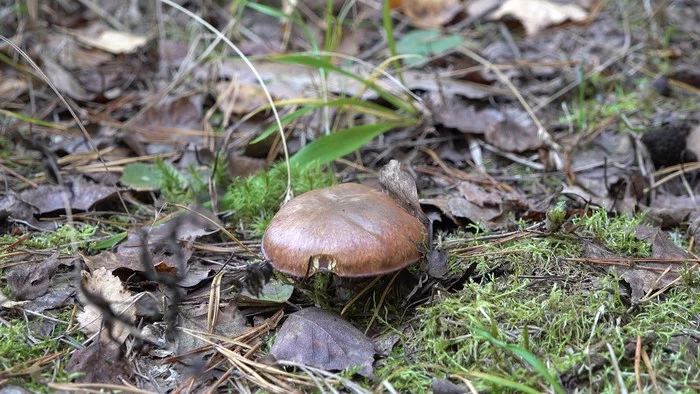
column 537, row 15
column 431, row 14
column 111, row 289
column 112, row 41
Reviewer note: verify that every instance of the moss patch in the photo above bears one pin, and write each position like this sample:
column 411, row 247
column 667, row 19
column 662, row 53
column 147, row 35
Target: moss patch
column 256, row 199
column 565, row 314
column 22, row 345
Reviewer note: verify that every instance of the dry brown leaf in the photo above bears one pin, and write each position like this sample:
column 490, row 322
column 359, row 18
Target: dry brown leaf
column 431, row 14
column 64, row 81
column 322, row 339
column 536, row 15
column 109, row 287
column 513, row 134
column 12, row 86
column 240, row 99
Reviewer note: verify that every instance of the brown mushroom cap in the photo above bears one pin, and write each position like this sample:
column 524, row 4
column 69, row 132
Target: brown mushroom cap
column 349, row 229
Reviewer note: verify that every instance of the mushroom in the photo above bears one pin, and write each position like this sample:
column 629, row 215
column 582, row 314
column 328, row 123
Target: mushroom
column 350, row 230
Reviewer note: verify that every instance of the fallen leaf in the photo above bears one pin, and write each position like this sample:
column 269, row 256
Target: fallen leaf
column 101, row 282
column 158, row 122
column 172, row 52
column 536, row 15
column 13, row 207
column 288, row 81
column 449, row 87
column 273, row 292
column 101, row 362
column 141, row 177
column 239, row 99
column 64, row 81
column 430, row 14
column 56, row 297
column 645, row 277
column 230, row 324
column 425, row 43
column 29, row 281
column 12, row 389
column 81, row 196
column 455, row 113
column 513, row 136
column 486, row 217
column 10, row 87
column 112, row 41
column 661, row 245
column 322, row 339
column 444, row 386
column 242, row 166
column 669, row 210
column 177, row 233
column 478, row 195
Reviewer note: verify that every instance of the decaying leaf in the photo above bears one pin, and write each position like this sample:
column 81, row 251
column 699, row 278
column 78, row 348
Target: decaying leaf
column 12, row 86
column 80, row 193
column 288, row 81
column 487, row 217
column 662, row 246
column 429, row 14
column 512, row 135
column 29, row 281
column 437, row 264
column 239, row 99
column 64, row 81
column 159, row 121
column 56, row 297
column 230, row 323
column 645, row 277
column 322, row 339
column 459, row 115
column 101, row 282
column 13, row 207
column 536, row 15
column 100, row 362
column 478, row 195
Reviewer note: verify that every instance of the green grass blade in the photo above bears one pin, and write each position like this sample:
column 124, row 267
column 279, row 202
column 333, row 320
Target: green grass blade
column 108, row 243
column 389, row 31
column 287, row 119
column 29, row 119
column 530, row 358
column 503, row 382
column 322, row 64
column 340, row 143
column 358, row 105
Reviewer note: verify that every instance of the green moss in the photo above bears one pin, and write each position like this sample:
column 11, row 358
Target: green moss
column 18, row 345
column 565, row 330
column 61, row 238
column 618, row 233
column 566, row 317
column 255, row 199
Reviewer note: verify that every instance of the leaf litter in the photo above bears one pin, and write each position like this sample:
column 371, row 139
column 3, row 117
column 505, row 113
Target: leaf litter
column 518, row 241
